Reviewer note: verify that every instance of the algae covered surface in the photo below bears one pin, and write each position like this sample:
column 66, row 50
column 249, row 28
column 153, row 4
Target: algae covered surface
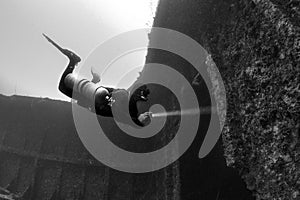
column 255, row 45
column 261, row 135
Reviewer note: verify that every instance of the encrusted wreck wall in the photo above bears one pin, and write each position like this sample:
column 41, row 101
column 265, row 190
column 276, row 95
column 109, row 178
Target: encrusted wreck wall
column 255, row 45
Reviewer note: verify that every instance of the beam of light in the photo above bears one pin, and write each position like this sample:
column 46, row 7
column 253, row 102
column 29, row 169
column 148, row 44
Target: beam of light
column 194, row 111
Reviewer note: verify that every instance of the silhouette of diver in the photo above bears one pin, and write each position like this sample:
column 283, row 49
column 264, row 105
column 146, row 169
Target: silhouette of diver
column 99, row 99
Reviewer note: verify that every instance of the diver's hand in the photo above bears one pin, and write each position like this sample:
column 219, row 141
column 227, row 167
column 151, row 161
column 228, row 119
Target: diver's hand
column 145, row 118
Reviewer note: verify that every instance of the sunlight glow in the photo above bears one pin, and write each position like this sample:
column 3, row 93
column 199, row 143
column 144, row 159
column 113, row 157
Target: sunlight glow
column 122, row 16
column 131, row 14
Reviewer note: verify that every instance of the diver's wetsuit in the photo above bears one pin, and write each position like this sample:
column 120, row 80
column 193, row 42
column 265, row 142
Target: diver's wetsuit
column 103, row 109
column 102, row 104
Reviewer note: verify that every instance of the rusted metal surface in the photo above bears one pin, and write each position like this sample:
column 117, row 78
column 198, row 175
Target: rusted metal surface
column 7, row 195
column 49, row 157
column 41, row 157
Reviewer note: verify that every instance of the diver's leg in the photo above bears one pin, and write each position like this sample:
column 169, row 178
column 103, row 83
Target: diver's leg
column 73, row 61
column 62, row 86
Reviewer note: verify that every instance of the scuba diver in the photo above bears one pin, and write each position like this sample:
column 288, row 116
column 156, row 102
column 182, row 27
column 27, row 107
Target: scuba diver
column 99, row 99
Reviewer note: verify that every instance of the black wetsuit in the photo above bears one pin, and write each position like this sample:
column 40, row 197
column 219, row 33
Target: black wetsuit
column 102, row 109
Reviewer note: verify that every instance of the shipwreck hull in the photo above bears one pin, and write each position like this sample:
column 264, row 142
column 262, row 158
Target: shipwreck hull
column 43, row 158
